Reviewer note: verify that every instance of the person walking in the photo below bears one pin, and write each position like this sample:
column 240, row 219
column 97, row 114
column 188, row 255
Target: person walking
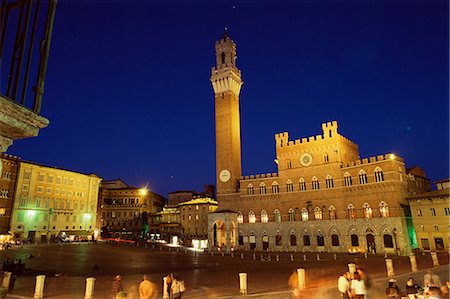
column 357, row 287
column 177, row 288
column 116, row 286
column 344, row 285
column 147, row 289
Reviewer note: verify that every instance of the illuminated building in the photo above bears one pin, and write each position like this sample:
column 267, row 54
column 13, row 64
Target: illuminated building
column 324, row 197
column 7, row 188
column 125, row 210
column 49, row 201
column 431, row 213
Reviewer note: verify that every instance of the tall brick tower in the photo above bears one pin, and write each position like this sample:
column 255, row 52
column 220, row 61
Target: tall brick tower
column 226, row 81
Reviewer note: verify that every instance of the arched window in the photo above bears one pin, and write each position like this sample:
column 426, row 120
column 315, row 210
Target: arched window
column 388, row 243
column 250, row 190
column 347, row 179
column 332, row 212
column 251, row 217
column 291, row 213
column 329, row 182
column 289, row 186
column 288, row 164
column 262, row 188
column 367, row 211
column 362, row 177
column 334, row 240
column 277, row 215
column 240, row 218
column 264, row 217
column 379, row 177
column 304, row 214
column 315, row 183
column 275, row 187
column 384, row 210
column 351, row 211
column 306, row 240
column 318, row 213
column 302, row 184
column 278, row 240
column 320, row 240
column 222, row 56
column 326, row 159
column 354, row 239
column 293, row 240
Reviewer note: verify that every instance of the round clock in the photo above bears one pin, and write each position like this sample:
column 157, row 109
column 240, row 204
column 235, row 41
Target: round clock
column 306, row 159
column 225, row 175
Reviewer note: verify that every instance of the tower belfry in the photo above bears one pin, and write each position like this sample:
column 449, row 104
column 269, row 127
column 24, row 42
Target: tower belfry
column 226, row 81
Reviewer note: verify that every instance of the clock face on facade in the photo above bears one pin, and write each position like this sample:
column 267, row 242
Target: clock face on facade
column 305, row 159
column 225, row 175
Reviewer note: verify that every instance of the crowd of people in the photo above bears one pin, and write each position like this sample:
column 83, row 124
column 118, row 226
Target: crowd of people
column 173, row 288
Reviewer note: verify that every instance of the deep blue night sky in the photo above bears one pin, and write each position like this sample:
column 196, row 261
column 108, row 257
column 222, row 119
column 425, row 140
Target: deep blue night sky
column 128, row 93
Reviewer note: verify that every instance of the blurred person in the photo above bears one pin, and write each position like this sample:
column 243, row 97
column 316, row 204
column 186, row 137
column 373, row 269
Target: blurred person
column 147, row 289
column 177, row 288
column 116, row 286
column 357, row 287
column 434, row 293
column 393, row 291
column 121, row 295
column 412, row 287
column 445, row 291
column 344, row 285
column 431, row 280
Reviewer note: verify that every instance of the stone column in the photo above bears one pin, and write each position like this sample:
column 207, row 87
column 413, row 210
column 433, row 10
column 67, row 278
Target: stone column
column 227, row 237
column 412, row 259
column 390, row 268
column 435, row 259
column 39, row 289
column 90, row 283
column 301, row 279
column 243, row 283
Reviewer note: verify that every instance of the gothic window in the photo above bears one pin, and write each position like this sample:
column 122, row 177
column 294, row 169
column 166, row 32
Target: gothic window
column 222, row 56
column 347, row 179
column 304, row 214
column 289, row 186
column 288, row 164
column 302, row 184
column 367, row 211
column 306, row 240
column 264, row 217
column 362, row 177
column 379, row 177
column 250, row 190
column 277, row 215
column 326, row 159
column 251, row 217
column 334, row 240
column 329, row 182
column 354, row 240
column 320, row 240
column 351, row 211
column 293, row 240
column 384, row 210
column 317, row 213
column 240, row 218
column 262, row 188
column 388, row 242
column 275, row 187
column 315, row 183
column 278, row 240
column 332, row 212
column 291, row 215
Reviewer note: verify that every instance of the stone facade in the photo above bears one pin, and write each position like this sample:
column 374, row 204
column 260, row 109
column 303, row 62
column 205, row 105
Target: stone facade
column 324, row 197
column 7, row 188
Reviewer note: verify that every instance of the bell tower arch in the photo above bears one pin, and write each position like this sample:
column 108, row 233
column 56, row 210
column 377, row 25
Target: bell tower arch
column 226, row 81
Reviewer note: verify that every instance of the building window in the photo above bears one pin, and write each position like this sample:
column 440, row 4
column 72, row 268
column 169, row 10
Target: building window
column 40, row 178
column 326, row 159
column 250, row 190
column 241, row 240
column 289, row 164
column 25, row 188
column 251, row 217
column 367, row 211
column 278, row 240
column 419, row 212
column 447, row 211
column 384, row 210
column 332, row 213
column 50, row 179
column 362, row 177
column 291, row 214
column 433, row 211
column 329, row 182
column 277, row 216
column 347, row 180
column 264, row 217
column 351, row 212
column 293, row 240
column 262, row 188
column 388, row 242
column 317, row 213
column 275, row 187
column 304, row 214
column 436, row 228
column 354, row 240
column 40, row 189
column 302, row 185
column 425, row 244
column 334, row 240
column 379, row 175
column 196, row 217
column 315, row 183
column 289, row 186
column 27, row 175
column 439, row 242
column 240, row 218
column 320, row 240
column 306, row 241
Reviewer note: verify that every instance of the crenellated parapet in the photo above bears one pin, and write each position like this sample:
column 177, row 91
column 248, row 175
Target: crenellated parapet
column 374, row 159
column 260, row 176
column 7, row 156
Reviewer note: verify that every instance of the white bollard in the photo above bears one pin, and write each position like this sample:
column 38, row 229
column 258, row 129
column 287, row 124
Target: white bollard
column 242, row 256
column 232, row 254
column 385, row 255
column 435, row 259
column 412, row 259
column 254, row 256
column 278, row 258
column 318, row 257
column 262, row 258
column 390, row 268
column 365, row 255
column 269, row 258
column 301, row 279
column 304, row 257
column 243, row 283
column 335, row 256
column 39, row 289
column 223, row 254
column 292, row 257
column 6, row 279
column 90, row 283
column 352, row 268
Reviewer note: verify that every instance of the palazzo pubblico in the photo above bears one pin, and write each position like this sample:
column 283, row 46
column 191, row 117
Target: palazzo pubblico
column 324, row 197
